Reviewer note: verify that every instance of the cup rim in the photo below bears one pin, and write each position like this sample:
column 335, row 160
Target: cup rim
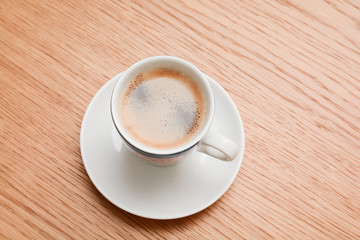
column 157, row 152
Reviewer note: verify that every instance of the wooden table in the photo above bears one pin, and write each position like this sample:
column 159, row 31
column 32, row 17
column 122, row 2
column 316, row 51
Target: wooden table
column 291, row 67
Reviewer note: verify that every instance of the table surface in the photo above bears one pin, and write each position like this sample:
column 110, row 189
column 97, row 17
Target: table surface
column 291, row 67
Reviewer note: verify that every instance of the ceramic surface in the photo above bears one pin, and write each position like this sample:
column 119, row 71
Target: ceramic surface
column 147, row 190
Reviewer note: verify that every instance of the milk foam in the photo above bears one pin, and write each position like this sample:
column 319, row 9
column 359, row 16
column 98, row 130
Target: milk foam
column 162, row 108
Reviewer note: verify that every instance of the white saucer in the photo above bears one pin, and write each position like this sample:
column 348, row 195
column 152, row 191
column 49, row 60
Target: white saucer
column 151, row 191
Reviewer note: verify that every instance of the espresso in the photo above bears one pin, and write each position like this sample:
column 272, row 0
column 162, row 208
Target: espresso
column 162, row 108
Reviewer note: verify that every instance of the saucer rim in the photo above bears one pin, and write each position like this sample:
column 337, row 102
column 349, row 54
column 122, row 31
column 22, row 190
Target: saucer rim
column 203, row 206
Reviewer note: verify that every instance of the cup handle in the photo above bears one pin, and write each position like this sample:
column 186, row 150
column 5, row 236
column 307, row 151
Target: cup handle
column 218, row 146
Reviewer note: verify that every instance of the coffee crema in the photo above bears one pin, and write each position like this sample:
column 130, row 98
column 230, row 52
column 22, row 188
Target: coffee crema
column 162, row 108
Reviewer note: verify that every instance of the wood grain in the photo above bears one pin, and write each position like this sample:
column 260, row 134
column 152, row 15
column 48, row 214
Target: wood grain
column 291, row 67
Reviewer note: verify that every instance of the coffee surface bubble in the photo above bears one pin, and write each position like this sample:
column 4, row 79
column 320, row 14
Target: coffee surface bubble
column 162, row 108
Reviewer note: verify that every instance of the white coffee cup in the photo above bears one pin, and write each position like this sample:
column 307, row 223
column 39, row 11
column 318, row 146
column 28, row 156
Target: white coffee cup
column 206, row 141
